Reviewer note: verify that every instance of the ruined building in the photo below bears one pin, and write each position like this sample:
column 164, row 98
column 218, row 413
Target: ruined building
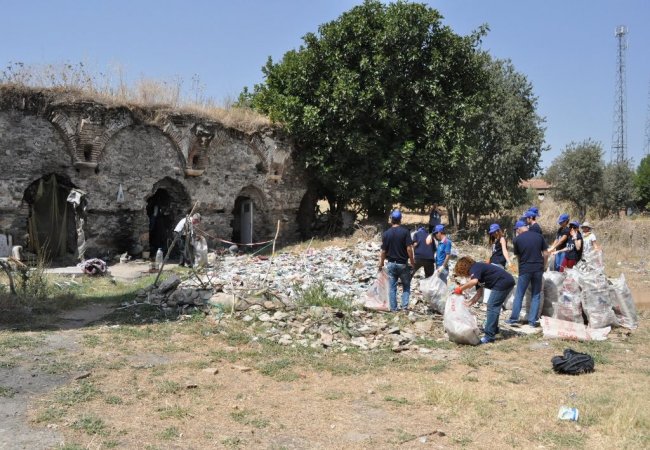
column 84, row 176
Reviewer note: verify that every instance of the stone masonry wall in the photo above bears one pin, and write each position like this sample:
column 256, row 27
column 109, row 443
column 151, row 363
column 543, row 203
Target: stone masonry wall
column 99, row 148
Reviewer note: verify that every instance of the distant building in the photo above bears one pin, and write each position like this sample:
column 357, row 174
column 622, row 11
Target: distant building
column 541, row 186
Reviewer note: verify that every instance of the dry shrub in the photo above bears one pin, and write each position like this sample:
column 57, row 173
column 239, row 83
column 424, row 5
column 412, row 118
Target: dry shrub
column 74, row 82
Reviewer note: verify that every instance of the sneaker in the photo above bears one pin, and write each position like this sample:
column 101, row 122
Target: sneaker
column 486, row 340
column 534, row 324
column 512, row 323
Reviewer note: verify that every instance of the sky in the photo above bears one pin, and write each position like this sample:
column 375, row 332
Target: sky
column 566, row 48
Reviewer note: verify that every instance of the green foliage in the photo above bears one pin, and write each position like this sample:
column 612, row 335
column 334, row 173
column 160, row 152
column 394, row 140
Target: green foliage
column 387, row 104
column 618, row 187
column 316, row 295
column 577, row 175
column 642, row 183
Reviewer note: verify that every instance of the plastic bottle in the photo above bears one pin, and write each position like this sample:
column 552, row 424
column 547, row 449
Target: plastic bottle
column 159, row 259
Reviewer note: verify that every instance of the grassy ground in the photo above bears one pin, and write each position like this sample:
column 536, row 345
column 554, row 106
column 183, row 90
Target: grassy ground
column 154, row 386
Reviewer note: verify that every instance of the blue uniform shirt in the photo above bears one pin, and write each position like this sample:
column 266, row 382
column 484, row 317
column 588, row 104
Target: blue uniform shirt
column 491, row 276
column 444, row 249
column 528, row 248
column 394, row 242
column 422, row 250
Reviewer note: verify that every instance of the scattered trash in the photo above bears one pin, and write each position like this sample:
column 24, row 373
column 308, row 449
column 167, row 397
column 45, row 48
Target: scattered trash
column 573, row 363
column 376, row 298
column 567, row 413
column 94, row 266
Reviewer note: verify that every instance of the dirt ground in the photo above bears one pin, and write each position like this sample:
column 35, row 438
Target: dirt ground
column 198, row 383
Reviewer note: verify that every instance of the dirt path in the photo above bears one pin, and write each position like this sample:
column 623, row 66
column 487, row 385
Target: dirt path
column 26, row 376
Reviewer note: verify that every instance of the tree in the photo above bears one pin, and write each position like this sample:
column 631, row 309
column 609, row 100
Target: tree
column 618, row 187
column 385, row 103
column 642, row 183
column 577, row 175
column 504, row 146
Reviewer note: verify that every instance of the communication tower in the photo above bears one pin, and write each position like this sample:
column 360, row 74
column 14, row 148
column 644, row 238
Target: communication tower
column 619, row 138
column 646, row 141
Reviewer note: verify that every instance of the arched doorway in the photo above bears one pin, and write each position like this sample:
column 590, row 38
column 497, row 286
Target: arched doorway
column 168, row 203
column 249, row 216
column 51, row 222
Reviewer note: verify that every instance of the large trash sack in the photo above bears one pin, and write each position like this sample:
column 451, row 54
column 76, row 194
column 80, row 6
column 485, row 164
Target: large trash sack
column 591, row 262
column 200, row 251
column 552, row 288
column 459, row 322
column 623, row 304
column 434, row 291
column 569, row 305
column 526, row 302
column 562, row 329
column 376, row 298
column 597, row 305
column 93, row 266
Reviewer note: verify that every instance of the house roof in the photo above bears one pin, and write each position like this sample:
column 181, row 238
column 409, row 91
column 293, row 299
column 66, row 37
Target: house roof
column 535, row 183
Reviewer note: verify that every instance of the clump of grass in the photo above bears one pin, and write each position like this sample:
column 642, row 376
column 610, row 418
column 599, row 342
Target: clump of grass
column 244, row 417
column 317, row 295
column 7, row 392
column 90, row 424
column 170, row 433
column 169, row 387
column 562, row 440
column 396, row 400
column 50, row 414
column 173, row 412
column 81, row 393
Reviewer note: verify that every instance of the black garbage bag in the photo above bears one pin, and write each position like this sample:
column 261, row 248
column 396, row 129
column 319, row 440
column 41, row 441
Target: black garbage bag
column 573, row 363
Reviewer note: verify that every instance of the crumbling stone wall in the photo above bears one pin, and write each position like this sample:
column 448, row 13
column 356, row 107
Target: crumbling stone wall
column 101, row 148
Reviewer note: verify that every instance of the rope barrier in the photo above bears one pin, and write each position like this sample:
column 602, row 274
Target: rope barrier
column 203, row 232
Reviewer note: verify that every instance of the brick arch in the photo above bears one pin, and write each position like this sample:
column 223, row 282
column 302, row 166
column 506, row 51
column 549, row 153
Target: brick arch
column 256, row 144
column 66, row 127
column 181, row 138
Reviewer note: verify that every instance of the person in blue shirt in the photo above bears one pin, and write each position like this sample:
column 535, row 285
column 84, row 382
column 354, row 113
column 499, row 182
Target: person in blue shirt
column 561, row 238
column 397, row 248
column 531, row 219
column 443, row 251
column 531, row 250
column 434, row 217
column 425, row 254
column 573, row 248
column 484, row 275
column 499, row 246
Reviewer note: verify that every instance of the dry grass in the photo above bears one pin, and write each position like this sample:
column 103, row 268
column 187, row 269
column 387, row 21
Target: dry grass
column 314, row 398
column 78, row 82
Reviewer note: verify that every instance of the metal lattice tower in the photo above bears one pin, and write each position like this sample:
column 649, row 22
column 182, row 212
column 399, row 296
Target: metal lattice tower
column 619, row 138
column 646, row 141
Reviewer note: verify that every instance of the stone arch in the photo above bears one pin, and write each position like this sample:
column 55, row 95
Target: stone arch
column 259, row 215
column 66, row 127
column 167, row 203
column 51, row 220
column 257, row 145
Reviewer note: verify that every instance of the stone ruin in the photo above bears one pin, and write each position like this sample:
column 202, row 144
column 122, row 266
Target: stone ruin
column 81, row 178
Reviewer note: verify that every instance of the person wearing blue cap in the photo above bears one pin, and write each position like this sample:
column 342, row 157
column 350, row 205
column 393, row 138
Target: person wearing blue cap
column 573, row 248
column 531, row 219
column 397, row 247
column 443, row 251
column 561, row 238
column 500, row 255
column 483, row 275
column 425, row 254
column 434, row 217
column 531, row 251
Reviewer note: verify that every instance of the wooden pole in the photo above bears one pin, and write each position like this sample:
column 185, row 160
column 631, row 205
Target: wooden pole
column 277, row 231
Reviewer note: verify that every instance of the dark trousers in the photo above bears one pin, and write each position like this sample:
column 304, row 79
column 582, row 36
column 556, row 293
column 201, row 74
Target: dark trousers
column 185, row 251
column 428, row 264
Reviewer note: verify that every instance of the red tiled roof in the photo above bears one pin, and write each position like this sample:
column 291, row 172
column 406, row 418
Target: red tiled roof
column 535, row 183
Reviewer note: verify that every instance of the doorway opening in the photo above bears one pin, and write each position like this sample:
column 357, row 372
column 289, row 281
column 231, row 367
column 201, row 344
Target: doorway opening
column 168, row 204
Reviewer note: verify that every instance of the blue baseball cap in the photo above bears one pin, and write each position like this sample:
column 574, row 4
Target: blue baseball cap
column 575, row 224
column 519, row 224
column 494, row 228
column 535, row 211
column 439, row 228
column 396, row 215
column 530, row 214
column 563, row 218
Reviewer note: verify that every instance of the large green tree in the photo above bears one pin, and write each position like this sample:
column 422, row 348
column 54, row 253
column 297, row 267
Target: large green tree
column 503, row 146
column 387, row 104
column 642, row 183
column 577, row 175
column 618, row 187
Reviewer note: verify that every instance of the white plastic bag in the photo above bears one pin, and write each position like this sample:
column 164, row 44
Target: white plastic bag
column 459, row 322
column 200, row 251
column 562, row 329
column 597, row 305
column 376, row 297
column 624, row 307
column 434, row 291
column 569, row 305
column 552, row 287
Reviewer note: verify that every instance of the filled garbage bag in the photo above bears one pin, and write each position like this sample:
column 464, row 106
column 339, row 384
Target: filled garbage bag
column 562, row 329
column 623, row 304
column 376, row 297
column 434, row 292
column 552, row 288
column 459, row 322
